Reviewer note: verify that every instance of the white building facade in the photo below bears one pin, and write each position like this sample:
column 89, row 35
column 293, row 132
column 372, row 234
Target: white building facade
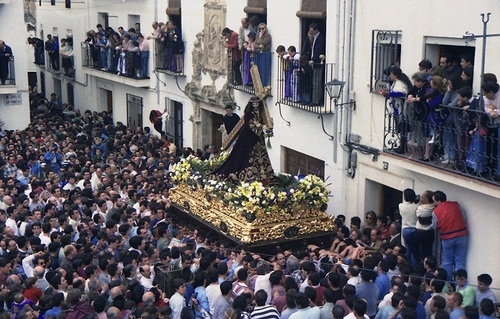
column 14, row 96
column 344, row 140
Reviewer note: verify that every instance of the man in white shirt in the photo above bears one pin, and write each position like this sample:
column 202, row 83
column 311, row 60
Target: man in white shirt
column 304, row 308
column 177, row 302
column 11, row 220
column 146, row 279
column 45, row 235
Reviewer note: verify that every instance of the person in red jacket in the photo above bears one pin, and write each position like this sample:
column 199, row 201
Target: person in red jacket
column 452, row 229
column 232, row 45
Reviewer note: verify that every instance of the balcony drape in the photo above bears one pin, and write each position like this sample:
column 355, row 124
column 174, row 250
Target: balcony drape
column 256, row 7
column 174, row 8
column 312, row 9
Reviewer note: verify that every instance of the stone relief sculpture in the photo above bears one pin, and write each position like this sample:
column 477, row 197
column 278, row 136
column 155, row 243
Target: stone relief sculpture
column 209, row 57
column 198, row 57
column 215, row 20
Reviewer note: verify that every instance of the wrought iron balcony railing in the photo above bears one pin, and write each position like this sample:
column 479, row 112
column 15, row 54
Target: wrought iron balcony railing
column 166, row 61
column 239, row 70
column 9, row 77
column 461, row 140
column 302, row 85
column 52, row 61
column 132, row 64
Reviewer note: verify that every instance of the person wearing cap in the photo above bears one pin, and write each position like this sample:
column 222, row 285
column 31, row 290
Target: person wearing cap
column 463, row 287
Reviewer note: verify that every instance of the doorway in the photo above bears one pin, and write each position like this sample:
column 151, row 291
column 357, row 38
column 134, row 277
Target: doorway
column 57, row 87
column 32, row 79
column 106, row 100
column 217, row 121
column 134, row 111
column 109, row 102
column 42, row 83
column 382, row 199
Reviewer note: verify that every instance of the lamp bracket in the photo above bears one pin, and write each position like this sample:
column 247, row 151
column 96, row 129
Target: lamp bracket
column 320, row 116
column 288, row 123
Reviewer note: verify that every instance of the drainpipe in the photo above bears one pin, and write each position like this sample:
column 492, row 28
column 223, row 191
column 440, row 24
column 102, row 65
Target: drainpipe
column 336, row 71
column 158, row 88
column 350, row 65
column 349, row 80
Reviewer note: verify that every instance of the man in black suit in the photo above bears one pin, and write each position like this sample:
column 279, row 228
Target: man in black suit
column 394, row 240
column 317, row 63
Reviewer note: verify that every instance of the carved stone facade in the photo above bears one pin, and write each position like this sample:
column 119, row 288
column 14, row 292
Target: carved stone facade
column 210, row 63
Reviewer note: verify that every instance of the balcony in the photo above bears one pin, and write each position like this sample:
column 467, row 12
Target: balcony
column 8, row 86
column 168, row 63
column 113, row 65
column 239, row 77
column 449, row 139
column 52, row 62
column 302, row 85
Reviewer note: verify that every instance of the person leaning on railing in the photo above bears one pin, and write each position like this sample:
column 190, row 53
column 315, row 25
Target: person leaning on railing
column 112, row 54
column 397, row 94
column 263, row 53
column 231, row 44
column 454, row 82
column 248, row 51
column 416, row 95
column 434, row 119
column 492, row 109
column 5, row 56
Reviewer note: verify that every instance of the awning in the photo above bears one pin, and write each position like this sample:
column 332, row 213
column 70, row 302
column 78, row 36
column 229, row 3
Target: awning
column 312, row 9
column 174, row 8
column 256, row 7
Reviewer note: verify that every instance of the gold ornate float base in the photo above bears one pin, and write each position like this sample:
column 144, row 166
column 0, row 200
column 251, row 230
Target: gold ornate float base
column 249, row 229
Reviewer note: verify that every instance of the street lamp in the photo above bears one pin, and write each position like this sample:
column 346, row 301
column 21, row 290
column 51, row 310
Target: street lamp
column 334, row 88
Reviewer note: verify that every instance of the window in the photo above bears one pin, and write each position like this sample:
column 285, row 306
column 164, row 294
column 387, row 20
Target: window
column 68, row 4
column 297, row 163
column 133, row 19
column 103, row 19
column 174, row 12
column 134, row 111
column 71, row 94
column 256, row 11
column 175, row 122
column 386, row 51
column 52, row 2
column 312, row 11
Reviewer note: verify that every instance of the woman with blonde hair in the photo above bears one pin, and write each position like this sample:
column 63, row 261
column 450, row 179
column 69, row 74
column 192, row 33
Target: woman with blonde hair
column 232, row 313
column 262, row 47
column 434, row 96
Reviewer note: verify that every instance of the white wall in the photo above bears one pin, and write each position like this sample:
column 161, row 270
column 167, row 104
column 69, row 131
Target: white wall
column 12, row 14
column 442, row 22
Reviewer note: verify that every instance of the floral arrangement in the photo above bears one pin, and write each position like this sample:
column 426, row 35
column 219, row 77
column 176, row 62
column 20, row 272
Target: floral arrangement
column 290, row 193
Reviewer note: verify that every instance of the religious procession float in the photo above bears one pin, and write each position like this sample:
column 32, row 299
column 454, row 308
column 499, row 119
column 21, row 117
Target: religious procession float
column 239, row 195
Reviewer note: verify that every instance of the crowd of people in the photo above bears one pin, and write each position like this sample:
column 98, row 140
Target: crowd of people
column 88, row 231
column 437, row 108
column 303, row 74
column 124, row 52
column 60, row 53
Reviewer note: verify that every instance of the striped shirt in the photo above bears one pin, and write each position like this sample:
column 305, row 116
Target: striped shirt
column 265, row 312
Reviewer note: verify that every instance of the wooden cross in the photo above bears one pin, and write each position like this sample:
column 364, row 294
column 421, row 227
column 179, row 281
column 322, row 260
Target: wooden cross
column 262, row 93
